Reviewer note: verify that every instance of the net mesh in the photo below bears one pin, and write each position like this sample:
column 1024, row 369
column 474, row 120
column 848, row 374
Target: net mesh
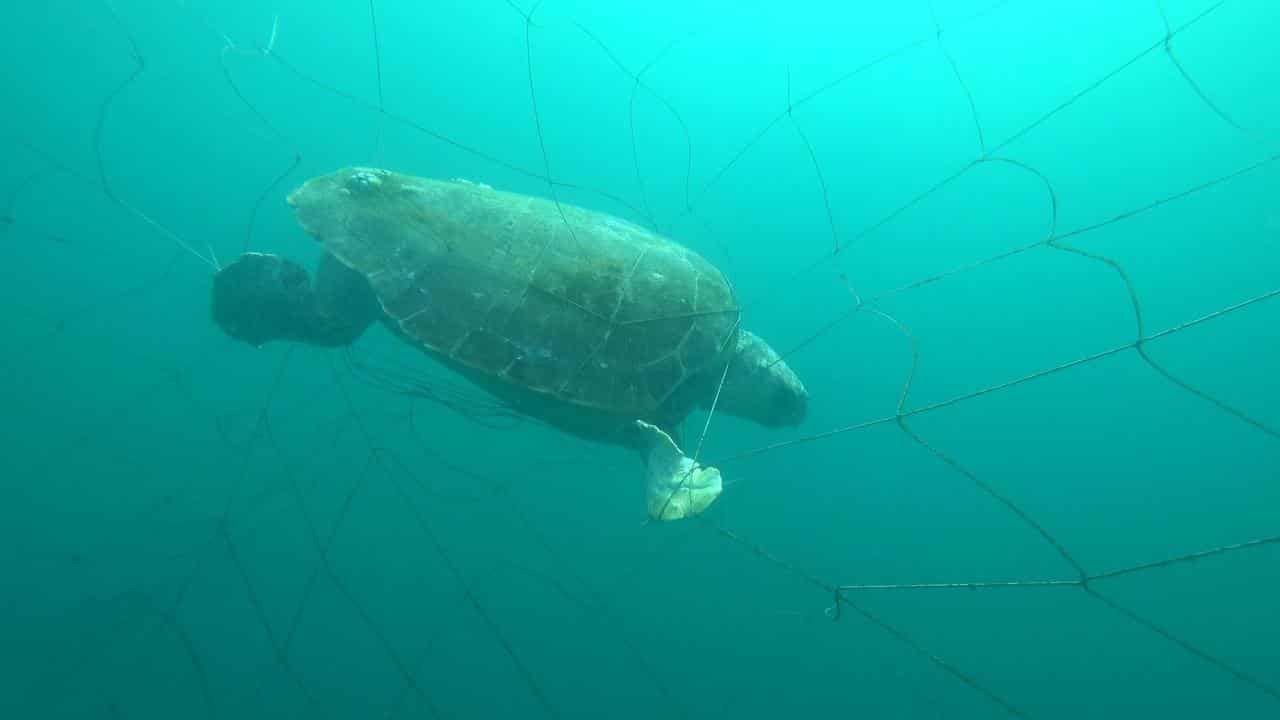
column 1024, row 257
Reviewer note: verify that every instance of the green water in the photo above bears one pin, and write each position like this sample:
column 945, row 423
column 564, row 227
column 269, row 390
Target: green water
column 1032, row 200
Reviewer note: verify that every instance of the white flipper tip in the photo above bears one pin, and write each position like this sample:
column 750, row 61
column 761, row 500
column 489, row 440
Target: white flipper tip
column 676, row 487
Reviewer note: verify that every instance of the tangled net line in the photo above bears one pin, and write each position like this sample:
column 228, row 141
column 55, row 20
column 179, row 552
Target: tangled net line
column 386, row 463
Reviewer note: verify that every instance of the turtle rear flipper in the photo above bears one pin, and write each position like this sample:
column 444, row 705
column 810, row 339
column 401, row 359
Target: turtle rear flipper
column 676, row 486
column 263, row 297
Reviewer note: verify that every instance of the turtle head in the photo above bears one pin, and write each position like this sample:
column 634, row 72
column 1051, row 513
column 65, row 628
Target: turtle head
column 761, row 387
column 262, row 297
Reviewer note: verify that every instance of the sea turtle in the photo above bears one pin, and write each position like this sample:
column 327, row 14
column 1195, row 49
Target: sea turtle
column 592, row 324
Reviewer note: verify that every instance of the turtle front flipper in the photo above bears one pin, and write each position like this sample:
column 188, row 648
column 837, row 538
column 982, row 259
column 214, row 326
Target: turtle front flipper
column 676, row 486
column 262, row 297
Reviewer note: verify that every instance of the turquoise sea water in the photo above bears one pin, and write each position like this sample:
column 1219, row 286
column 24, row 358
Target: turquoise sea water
column 1061, row 222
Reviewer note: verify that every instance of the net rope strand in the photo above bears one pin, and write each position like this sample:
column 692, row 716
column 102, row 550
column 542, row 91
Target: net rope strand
column 1195, row 86
column 987, row 155
column 638, row 82
column 964, row 397
column 528, row 23
column 230, row 48
column 1138, row 345
column 139, row 67
column 377, row 68
column 271, row 186
column 843, row 78
column 1054, row 240
column 1068, row 582
column 1083, row 577
column 596, row 603
column 376, row 455
column 964, row 85
column 873, row 619
column 816, row 167
column 224, row 525
column 893, row 631
column 200, row 555
column 12, row 223
column 418, row 389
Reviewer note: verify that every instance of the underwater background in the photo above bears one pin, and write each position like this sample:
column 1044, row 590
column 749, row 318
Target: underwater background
column 1025, row 256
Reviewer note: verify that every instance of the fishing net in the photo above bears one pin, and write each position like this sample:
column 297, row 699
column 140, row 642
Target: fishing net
column 1024, row 256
